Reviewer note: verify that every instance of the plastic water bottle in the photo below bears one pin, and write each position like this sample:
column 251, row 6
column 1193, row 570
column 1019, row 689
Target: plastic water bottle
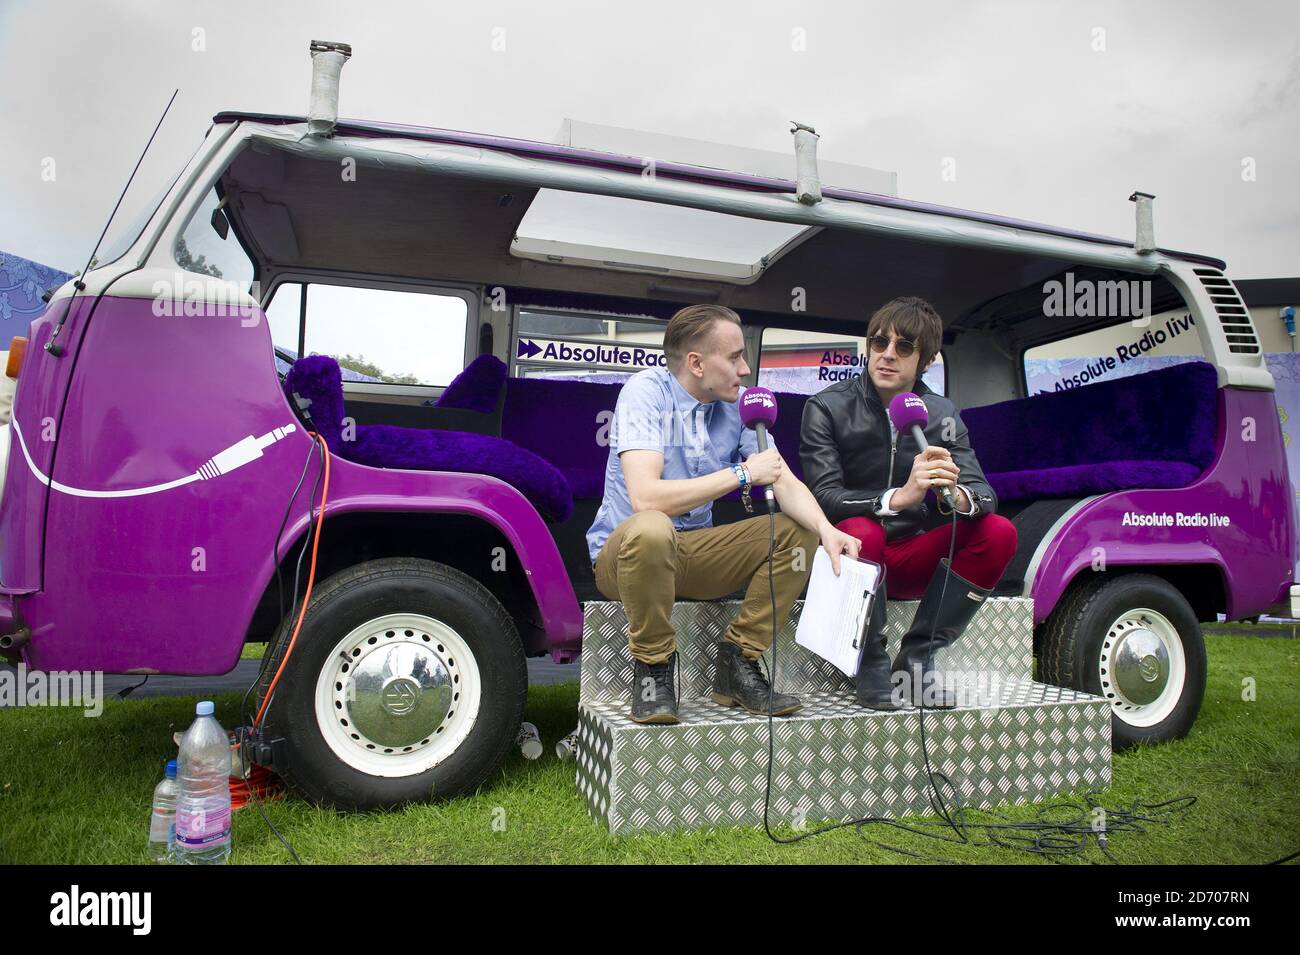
column 203, row 806
column 162, row 821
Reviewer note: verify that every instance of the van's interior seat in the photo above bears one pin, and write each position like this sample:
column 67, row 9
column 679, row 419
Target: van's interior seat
column 1153, row 430
column 317, row 380
column 1040, row 454
column 1156, row 430
column 472, row 402
column 562, row 421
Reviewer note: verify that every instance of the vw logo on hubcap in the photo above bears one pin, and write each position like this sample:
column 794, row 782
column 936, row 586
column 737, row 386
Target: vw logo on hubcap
column 1149, row 668
column 400, row 695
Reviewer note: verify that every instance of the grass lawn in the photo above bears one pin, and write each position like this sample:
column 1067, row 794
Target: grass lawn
column 74, row 790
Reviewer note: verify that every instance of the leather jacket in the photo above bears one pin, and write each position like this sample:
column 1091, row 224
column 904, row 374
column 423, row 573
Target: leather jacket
column 845, row 449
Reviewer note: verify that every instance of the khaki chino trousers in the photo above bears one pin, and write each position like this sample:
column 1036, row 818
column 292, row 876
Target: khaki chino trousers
column 647, row 564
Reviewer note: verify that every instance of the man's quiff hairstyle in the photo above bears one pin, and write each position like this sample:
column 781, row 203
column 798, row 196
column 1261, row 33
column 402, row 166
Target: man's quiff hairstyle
column 690, row 328
column 914, row 319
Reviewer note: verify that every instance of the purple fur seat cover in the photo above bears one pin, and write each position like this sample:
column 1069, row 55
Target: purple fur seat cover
column 567, row 422
column 317, row 378
column 1153, row 430
column 478, row 387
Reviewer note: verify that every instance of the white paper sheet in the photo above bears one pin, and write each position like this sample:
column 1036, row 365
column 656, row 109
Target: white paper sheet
column 836, row 610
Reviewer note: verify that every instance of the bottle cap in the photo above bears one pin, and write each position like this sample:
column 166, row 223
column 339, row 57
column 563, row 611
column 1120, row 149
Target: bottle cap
column 205, row 708
column 170, row 769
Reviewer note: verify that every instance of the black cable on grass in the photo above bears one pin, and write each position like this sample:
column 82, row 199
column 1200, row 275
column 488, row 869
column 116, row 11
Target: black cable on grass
column 252, row 792
column 126, row 691
column 1053, row 838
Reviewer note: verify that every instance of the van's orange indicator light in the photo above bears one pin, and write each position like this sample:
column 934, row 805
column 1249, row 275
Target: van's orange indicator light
column 17, row 352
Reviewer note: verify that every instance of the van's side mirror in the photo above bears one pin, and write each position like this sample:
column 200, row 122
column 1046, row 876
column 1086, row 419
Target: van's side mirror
column 220, row 224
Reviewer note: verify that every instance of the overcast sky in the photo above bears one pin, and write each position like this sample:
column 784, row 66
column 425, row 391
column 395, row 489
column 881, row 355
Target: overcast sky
column 1052, row 112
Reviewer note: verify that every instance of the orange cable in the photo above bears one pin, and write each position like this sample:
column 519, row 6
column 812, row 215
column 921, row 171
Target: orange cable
column 311, row 578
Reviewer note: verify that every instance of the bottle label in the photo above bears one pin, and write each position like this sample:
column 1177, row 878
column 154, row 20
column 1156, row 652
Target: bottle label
column 202, row 827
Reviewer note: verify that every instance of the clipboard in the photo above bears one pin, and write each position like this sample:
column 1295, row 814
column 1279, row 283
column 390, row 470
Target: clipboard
column 837, row 609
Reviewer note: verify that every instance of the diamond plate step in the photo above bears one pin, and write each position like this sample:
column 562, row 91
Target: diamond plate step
column 999, row 641
column 835, row 760
column 1012, row 740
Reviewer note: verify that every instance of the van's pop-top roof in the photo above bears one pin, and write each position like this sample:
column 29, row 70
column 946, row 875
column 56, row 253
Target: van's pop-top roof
column 686, row 172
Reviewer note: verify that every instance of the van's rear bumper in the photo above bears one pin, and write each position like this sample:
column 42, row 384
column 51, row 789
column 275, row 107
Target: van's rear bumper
column 1295, row 601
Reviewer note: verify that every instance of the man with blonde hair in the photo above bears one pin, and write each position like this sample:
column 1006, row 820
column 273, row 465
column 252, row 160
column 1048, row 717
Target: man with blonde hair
column 676, row 445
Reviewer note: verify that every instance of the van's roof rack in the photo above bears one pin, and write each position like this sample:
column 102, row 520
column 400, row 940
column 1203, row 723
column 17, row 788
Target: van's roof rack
column 683, row 171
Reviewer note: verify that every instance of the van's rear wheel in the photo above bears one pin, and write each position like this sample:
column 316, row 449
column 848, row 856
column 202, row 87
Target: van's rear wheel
column 408, row 682
column 1134, row 640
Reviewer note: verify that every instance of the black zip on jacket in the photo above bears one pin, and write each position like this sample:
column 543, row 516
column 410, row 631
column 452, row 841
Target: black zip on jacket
column 845, row 451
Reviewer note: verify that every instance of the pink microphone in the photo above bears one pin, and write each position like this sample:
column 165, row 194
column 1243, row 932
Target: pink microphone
column 908, row 412
column 758, row 411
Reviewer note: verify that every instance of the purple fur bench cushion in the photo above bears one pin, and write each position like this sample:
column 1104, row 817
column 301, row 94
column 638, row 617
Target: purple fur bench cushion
column 317, row 379
column 1151, row 430
column 477, row 388
column 1081, row 480
column 567, row 422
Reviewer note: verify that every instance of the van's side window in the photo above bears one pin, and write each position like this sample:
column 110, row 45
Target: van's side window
column 803, row 363
column 209, row 246
column 377, row 335
column 577, row 347
column 1128, row 348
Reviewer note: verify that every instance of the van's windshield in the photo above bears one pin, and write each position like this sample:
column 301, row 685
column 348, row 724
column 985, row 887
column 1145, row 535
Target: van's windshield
column 124, row 231
column 132, row 218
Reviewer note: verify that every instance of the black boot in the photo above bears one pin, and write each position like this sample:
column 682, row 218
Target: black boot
column 654, row 697
column 875, row 689
column 914, row 665
column 739, row 681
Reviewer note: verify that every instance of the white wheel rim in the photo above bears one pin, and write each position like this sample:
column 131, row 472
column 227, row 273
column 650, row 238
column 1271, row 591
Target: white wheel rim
column 1142, row 667
column 430, row 674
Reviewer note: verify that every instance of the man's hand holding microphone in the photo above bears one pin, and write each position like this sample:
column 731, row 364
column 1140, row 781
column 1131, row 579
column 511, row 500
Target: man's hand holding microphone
column 933, row 469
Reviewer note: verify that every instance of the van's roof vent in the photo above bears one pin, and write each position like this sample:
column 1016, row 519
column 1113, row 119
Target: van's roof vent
column 1233, row 315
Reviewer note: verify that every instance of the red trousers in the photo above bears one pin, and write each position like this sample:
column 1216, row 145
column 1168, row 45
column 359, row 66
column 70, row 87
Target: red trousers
column 985, row 545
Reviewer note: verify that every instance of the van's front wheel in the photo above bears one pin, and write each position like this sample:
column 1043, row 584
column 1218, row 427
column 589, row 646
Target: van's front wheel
column 407, row 682
column 1134, row 640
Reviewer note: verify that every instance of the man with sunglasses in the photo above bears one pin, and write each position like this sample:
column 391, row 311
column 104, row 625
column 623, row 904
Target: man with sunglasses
column 872, row 483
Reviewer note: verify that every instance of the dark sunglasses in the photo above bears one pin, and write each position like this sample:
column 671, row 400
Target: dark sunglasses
column 880, row 344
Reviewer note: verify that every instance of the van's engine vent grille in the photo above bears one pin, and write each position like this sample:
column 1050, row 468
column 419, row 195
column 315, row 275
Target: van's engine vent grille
column 1233, row 316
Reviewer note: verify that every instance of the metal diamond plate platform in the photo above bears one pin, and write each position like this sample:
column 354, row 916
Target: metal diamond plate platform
column 1011, row 740
column 998, row 641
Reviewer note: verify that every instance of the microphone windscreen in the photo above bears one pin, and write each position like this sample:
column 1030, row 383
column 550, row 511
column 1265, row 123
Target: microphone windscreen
column 757, row 406
column 906, row 410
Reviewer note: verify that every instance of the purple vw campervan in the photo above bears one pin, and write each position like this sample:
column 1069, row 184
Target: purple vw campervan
column 316, row 294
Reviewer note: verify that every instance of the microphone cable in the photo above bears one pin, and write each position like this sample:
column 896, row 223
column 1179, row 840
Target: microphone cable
column 937, row 802
column 1053, row 833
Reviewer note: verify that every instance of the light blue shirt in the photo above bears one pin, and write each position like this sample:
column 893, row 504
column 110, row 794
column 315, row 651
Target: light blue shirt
column 655, row 413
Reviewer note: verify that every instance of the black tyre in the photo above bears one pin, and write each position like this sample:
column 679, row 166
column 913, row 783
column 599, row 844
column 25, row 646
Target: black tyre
column 407, row 683
column 1134, row 640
